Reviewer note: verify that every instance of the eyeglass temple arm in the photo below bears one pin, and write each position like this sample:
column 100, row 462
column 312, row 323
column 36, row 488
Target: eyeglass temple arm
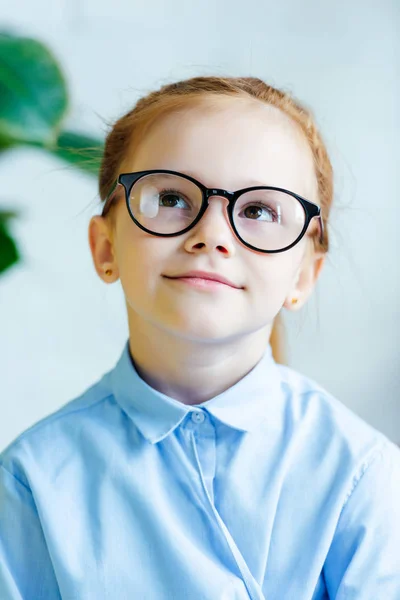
column 321, row 228
column 110, row 197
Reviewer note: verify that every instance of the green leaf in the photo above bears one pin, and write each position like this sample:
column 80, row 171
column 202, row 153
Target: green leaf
column 82, row 151
column 9, row 254
column 33, row 94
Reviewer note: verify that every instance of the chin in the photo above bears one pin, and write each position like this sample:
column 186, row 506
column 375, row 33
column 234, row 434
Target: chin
column 198, row 328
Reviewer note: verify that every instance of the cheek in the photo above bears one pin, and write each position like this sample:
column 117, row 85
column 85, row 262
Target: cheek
column 143, row 258
column 273, row 277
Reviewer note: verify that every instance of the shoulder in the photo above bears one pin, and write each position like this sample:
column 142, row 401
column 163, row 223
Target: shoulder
column 310, row 400
column 328, row 429
column 47, row 442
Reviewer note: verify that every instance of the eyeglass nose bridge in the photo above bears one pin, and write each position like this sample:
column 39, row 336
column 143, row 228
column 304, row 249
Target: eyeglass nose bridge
column 209, row 192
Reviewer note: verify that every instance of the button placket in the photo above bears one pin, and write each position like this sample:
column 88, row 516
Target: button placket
column 253, row 588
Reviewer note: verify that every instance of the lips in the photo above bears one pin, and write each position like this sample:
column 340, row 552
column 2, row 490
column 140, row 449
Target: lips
column 204, row 275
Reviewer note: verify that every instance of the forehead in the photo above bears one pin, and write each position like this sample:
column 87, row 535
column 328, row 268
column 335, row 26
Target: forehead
column 229, row 143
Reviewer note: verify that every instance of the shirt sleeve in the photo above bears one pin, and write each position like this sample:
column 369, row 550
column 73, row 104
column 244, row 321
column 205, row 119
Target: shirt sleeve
column 363, row 562
column 26, row 571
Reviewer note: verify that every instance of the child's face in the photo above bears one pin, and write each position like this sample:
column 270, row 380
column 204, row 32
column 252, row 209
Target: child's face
column 231, row 145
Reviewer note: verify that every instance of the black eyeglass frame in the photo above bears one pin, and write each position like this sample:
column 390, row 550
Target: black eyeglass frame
column 127, row 180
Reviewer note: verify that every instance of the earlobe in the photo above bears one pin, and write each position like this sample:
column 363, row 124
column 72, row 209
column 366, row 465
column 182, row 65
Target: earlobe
column 305, row 282
column 101, row 248
column 293, row 302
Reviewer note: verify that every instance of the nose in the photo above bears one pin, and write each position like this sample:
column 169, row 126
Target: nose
column 214, row 229
column 216, row 213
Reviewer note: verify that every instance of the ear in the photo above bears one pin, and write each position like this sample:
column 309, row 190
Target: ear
column 101, row 246
column 305, row 280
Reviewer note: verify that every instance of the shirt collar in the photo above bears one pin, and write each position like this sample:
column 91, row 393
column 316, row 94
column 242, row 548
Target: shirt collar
column 243, row 406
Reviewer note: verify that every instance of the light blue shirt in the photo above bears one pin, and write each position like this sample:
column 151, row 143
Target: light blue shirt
column 272, row 490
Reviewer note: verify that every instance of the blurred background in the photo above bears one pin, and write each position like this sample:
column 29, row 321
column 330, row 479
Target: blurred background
column 61, row 327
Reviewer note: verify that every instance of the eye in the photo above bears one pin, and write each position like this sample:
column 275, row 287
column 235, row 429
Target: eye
column 170, row 198
column 259, row 209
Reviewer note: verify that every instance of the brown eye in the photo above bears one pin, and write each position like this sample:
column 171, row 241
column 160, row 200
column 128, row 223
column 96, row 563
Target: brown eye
column 171, row 198
column 261, row 212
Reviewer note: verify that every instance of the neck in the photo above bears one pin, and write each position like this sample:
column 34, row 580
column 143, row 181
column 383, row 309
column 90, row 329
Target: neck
column 190, row 370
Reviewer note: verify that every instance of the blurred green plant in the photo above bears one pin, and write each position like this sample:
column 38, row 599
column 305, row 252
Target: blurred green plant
column 33, row 105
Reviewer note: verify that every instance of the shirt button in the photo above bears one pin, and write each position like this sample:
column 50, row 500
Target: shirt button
column 198, row 417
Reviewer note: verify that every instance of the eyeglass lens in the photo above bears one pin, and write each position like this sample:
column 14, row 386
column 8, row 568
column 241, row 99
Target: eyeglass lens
column 265, row 219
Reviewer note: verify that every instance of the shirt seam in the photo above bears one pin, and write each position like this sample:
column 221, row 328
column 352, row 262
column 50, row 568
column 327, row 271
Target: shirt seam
column 49, row 419
column 16, row 479
column 365, row 466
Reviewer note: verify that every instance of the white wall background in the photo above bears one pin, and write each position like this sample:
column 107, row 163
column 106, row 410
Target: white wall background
column 61, row 328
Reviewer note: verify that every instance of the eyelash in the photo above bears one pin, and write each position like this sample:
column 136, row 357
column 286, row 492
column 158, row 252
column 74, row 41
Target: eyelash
column 172, row 191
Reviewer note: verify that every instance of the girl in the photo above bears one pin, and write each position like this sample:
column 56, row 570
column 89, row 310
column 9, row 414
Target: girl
column 199, row 467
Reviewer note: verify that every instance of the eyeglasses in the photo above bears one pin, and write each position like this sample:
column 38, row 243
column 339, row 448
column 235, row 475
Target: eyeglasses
column 168, row 203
